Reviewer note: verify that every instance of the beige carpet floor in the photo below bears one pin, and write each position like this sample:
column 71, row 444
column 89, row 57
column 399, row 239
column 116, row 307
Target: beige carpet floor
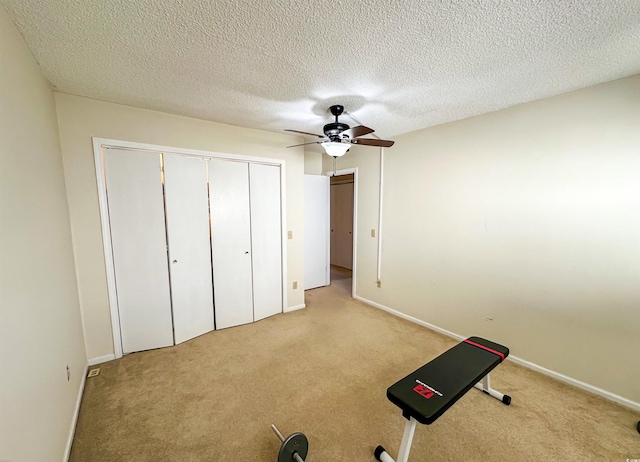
column 324, row 371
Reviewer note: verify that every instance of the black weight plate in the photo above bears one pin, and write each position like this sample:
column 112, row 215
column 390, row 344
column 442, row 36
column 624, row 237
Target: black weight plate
column 296, row 442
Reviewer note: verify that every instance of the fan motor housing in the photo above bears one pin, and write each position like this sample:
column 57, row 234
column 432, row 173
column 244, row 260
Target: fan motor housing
column 334, row 129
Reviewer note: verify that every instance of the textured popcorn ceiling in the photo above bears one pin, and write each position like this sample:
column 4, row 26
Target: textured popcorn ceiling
column 396, row 65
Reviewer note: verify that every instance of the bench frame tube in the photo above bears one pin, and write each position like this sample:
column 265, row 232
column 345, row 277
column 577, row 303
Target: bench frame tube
column 485, row 386
column 405, row 445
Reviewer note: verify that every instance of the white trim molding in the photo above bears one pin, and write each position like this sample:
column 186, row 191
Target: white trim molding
column 294, row 308
column 101, row 359
column 529, row 365
column 99, row 145
column 285, row 241
column 74, row 420
column 410, row 318
column 348, row 171
column 380, row 199
column 577, row 383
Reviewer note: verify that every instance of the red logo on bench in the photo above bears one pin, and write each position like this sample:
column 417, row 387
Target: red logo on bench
column 423, row 391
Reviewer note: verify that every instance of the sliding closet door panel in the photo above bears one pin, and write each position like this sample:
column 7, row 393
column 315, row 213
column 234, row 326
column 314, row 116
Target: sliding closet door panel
column 266, row 239
column 231, row 242
column 187, row 209
column 136, row 215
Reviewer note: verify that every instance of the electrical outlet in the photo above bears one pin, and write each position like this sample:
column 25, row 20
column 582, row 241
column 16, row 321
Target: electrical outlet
column 373, row 233
column 93, row 372
column 290, row 234
column 295, row 285
column 68, row 373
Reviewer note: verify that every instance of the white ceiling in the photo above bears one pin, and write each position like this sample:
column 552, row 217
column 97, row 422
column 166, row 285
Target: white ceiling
column 397, row 65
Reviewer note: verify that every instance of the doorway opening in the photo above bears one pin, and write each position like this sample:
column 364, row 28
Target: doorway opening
column 342, row 231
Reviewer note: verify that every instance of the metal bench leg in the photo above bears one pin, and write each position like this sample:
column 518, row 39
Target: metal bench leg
column 405, row 445
column 486, row 387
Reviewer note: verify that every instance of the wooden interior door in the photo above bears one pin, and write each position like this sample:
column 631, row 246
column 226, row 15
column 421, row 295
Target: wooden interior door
column 342, row 225
column 138, row 239
column 187, row 211
column 231, row 242
column 266, row 239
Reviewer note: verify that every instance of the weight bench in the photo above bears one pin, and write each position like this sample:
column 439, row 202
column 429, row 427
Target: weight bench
column 427, row 393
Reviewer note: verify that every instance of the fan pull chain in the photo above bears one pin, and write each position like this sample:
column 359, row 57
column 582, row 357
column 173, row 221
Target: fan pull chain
column 334, row 165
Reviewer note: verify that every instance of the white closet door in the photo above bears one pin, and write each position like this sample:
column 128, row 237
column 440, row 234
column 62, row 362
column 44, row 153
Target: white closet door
column 231, row 242
column 266, row 240
column 136, row 216
column 316, row 231
column 187, row 208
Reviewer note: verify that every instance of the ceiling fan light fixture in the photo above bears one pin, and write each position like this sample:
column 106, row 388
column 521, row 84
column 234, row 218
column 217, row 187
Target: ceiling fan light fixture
column 335, row 149
column 338, row 137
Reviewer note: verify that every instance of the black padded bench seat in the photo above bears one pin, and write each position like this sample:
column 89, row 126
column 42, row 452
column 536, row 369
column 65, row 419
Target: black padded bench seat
column 427, row 393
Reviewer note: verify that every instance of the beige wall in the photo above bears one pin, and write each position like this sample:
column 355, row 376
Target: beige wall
column 312, row 163
column 529, row 216
column 40, row 327
column 80, row 119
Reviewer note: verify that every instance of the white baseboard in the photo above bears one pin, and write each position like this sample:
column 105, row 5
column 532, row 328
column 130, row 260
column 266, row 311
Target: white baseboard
column 74, row 421
column 101, row 359
column 294, row 308
column 556, row 375
column 577, row 383
column 410, row 318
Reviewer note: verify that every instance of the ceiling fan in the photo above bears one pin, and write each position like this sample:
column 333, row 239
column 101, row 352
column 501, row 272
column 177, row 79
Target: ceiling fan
column 339, row 137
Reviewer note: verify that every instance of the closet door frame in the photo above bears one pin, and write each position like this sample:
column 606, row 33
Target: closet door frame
column 101, row 144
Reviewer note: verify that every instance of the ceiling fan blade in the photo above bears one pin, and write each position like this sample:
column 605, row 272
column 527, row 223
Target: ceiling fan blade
column 304, row 144
column 360, row 130
column 304, row 133
column 372, row 142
